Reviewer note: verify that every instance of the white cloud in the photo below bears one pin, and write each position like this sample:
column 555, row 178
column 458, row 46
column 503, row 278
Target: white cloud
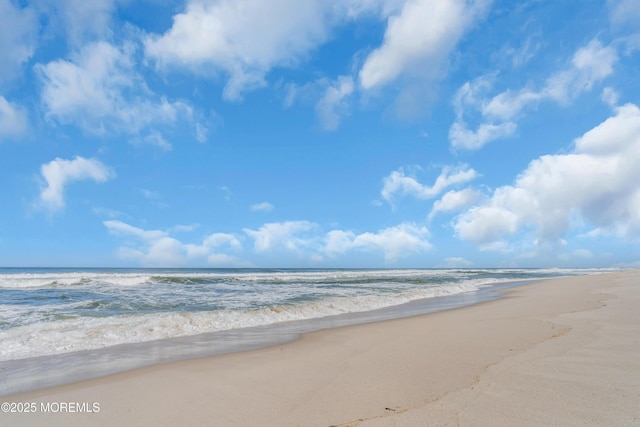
column 338, row 242
column 217, row 240
column 454, row 201
column 590, row 65
column 13, row 120
column 262, row 207
column 509, row 104
column 470, row 95
column 89, row 88
column 241, row 39
column 467, row 139
column 625, row 12
column 610, row 96
column 291, row 235
column 523, row 54
column 156, row 248
column 614, row 135
column 418, row 39
column 597, row 184
column 119, row 227
column 395, row 242
column 334, row 102
column 85, row 20
column 399, row 184
column 100, row 91
column 79, row 21
column 201, row 133
column 156, row 139
column 382, row 8
column 60, row 172
column 304, row 239
column 18, row 36
column 331, row 98
column 240, row 42
column 487, row 225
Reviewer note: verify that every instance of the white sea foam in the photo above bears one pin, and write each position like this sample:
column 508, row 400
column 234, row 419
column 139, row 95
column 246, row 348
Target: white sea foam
column 46, row 338
column 56, row 312
column 57, row 279
column 61, row 279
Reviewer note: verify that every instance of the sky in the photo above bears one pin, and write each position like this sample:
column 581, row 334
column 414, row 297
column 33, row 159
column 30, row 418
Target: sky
column 320, row 133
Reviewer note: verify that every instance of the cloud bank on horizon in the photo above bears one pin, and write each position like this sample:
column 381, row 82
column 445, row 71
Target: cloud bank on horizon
column 285, row 133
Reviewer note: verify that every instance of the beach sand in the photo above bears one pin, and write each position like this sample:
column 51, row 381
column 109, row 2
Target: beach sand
column 562, row 352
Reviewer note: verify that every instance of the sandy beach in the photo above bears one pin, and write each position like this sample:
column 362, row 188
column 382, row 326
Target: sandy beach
column 557, row 352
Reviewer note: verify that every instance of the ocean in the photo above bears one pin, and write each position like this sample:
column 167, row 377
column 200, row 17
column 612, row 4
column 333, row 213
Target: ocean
column 107, row 320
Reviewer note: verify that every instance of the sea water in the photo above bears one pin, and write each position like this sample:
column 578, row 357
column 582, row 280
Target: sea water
column 55, row 319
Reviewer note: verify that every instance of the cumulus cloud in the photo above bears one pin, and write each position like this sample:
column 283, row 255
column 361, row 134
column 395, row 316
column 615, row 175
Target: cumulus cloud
column 291, row 235
column 596, row 185
column 462, row 137
column 156, row 248
column 394, row 242
column 88, row 88
column 240, row 42
column 18, row 37
column 590, row 65
column 59, row 173
column 454, row 201
column 418, row 38
column 240, row 39
column 262, row 207
column 13, row 120
column 94, row 90
column 303, row 239
column 398, row 183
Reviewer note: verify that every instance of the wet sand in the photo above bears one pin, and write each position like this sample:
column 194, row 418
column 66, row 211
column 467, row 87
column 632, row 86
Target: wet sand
column 556, row 352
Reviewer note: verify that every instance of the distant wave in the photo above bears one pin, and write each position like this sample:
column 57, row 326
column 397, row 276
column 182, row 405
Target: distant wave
column 51, row 311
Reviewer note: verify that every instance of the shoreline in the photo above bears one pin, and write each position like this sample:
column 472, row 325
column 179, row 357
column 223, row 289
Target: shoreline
column 31, row 374
column 557, row 351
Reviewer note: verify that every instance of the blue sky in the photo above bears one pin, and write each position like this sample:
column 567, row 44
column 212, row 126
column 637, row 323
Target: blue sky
column 320, row 133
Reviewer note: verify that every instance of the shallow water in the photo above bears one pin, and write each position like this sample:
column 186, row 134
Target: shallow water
column 60, row 326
